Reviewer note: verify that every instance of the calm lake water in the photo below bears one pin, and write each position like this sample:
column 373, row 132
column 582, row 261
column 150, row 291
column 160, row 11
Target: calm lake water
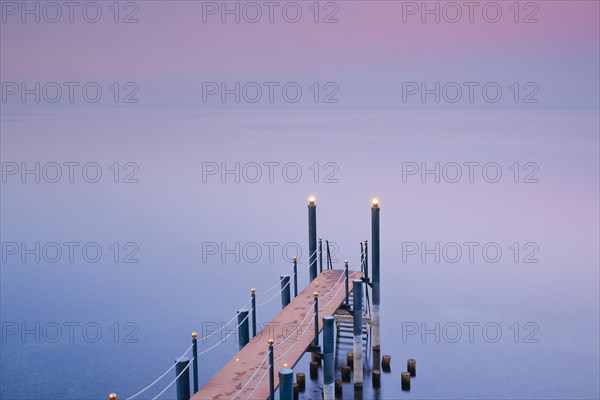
column 489, row 279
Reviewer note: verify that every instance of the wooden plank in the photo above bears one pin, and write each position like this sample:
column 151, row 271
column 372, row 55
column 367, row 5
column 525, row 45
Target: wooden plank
column 237, row 372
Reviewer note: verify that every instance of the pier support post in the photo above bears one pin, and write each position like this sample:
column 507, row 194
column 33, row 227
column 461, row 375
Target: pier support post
column 243, row 331
column 295, row 276
column 320, row 254
column 195, row 362
column 183, row 380
column 316, row 309
column 411, row 367
column 285, row 290
column 357, row 347
column 328, row 359
column 271, row 371
column 346, row 300
column 253, row 294
column 376, row 321
column 286, row 384
column 312, row 238
column 405, row 381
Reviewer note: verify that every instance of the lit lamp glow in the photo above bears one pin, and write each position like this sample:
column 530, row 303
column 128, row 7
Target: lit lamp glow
column 375, row 203
column 311, row 200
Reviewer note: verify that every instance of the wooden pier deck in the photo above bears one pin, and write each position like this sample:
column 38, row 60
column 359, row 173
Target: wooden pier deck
column 228, row 381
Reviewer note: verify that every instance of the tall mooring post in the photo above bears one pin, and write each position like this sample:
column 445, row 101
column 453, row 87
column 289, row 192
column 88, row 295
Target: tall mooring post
column 376, row 321
column 312, row 238
column 328, row 359
column 357, row 346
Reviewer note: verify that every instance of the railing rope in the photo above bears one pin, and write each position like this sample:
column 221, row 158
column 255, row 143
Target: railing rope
column 160, row 377
column 288, row 273
column 174, row 380
column 246, row 315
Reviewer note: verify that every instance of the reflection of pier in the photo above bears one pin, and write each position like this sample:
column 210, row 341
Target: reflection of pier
column 333, row 295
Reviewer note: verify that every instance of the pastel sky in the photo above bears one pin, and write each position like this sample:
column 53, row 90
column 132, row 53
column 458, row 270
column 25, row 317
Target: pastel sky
column 369, row 52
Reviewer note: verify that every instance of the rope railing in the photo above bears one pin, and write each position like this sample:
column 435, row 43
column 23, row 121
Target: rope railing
column 258, row 384
column 174, row 380
column 226, row 337
column 251, row 377
column 208, row 336
column 302, row 334
column 160, row 377
column 274, row 296
column 288, row 273
column 205, row 338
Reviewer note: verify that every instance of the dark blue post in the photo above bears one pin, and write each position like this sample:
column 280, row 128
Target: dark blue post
column 195, row 362
column 243, row 331
column 312, row 238
column 357, row 314
column 183, row 382
column 320, row 254
column 376, row 277
column 328, row 359
column 346, row 301
column 253, row 291
column 316, row 308
column 295, row 276
column 286, row 384
column 367, row 259
column 271, row 372
column 285, row 290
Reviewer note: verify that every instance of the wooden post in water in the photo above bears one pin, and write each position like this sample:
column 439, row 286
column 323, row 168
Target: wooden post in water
column 301, row 380
column 195, row 362
column 357, row 313
column 286, row 384
column 375, row 320
column 328, row 359
column 406, row 381
column 253, row 294
column 376, row 378
column 338, row 388
column 312, row 238
column 243, row 331
column 386, row 363
column 285, row 290
column 183, row 381
column 411, row 367
column 346, row 371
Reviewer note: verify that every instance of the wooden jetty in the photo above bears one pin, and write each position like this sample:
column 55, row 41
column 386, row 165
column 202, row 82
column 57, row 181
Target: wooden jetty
column 241, row 371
